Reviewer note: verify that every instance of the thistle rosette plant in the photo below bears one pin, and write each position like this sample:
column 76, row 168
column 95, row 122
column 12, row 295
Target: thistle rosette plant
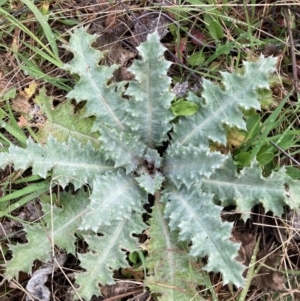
column 144, row 150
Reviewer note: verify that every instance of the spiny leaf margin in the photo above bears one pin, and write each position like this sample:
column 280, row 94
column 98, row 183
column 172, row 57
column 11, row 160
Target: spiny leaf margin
column 104, row 100
column 123, row 148
column 70, row 161
column 173, row 273
column 193, row 214
column 249, row 188
column 149, row 112
column 65, row 221
column 223, row 105
column 115, row 196
column 188, row 165
column 62, row 121
column 107, row 253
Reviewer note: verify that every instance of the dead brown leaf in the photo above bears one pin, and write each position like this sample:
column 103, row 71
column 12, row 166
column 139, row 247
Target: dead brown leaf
column 266, row 278
column 21, row 103
column 248, row 242
column 150, row 22
column 31, row 114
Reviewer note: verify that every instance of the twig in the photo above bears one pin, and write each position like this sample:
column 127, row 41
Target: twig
column 285, row 153
column 292, row 45
column 117, row 297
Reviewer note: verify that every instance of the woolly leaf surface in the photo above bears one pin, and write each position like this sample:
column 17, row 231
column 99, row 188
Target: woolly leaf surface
column 153, row 157
column 150, row 182
column 198, row 220
column 149, row 111
column 125, row 149
column 70, row 161
column 114, row 197
column 104, row 99
column 66, row 221
column 223, row 105
column 189, row 164
column 249, row 188
column 174, row 274
column 107, row 253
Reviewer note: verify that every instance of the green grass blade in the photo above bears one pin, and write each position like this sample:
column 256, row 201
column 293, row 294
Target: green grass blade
column 268, row 126
column 16, row 132
column 21, row 26
column 22, row 192
column 23, row 201
column 43, row 20
column 55, row 61
column 37, row 73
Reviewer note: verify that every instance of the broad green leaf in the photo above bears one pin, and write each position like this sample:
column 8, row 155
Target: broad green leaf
column 197, row 58
column 114, row 197
column 149, row 111
column 181, row 107
column 107, row 253
column 265, row 158
column 287, row 141
column 189, row 164
column 197, row 219
column 133, row 257
column 104, row 99
column 173, row 273
column 70, row 162
column 220, row 50
column 242, row 159
column 223, row 106
column 293, row 172
column 249, row 188
column 215, row 29
column 65, row 222
column 62, row 122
